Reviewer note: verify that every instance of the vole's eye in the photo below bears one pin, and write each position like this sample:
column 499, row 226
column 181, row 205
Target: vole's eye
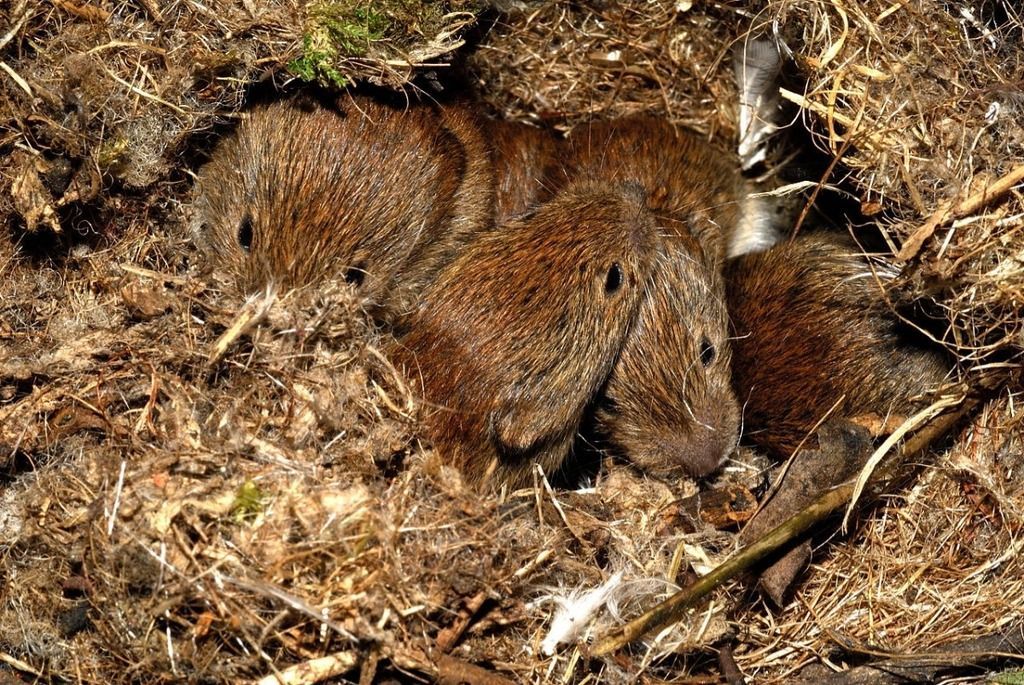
column 354, row 275
column 707, row 352
column 608, row 405
column 245, row 232
column 613, row 281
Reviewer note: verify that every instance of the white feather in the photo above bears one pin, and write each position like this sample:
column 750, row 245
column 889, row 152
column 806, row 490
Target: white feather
column 576, row 611
column 757, row 229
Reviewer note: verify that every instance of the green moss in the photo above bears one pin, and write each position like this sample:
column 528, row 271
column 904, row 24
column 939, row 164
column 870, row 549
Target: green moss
column 248, row 501
column 340, row 31
column 351, row 30
column 337, row 31
column 112, row 155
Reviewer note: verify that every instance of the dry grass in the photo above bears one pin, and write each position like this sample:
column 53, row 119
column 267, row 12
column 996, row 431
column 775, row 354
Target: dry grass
column 199, row 487
column 926, row 106
column 561, row 63
column 194, row 496
column 111, row 94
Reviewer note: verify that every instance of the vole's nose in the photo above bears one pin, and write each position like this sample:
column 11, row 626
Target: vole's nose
column 710, row 440
column 705, row 450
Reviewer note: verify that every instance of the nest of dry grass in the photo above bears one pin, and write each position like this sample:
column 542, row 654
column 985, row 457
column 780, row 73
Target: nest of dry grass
column 217, row 491
column 196, row 487
column 109, row 94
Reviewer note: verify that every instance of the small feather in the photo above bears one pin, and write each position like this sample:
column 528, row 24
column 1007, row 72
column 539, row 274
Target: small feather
column 756, row 67
column 575, row 612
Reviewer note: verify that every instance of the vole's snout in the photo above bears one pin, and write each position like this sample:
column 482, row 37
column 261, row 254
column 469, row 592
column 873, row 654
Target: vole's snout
column 696, row 452
column 707, row 447
column 694, row 445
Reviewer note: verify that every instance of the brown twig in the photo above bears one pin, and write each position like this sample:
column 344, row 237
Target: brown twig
column 947, row 212
column 920, row 667
column 727, row 665
column 450, row 636
column 252, row 313
column 445, row 671
column 457, row 672
column 846, row 140
column 153, row 9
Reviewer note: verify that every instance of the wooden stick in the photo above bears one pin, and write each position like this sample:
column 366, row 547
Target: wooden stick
column 445, row 671
column 250, row 314
column 20, row 665
column 947, row 212
column 313, row 671
column 920, row 667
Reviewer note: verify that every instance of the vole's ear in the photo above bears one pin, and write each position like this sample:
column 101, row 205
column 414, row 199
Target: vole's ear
column 544, row 397
column 538, row 416
column 526, row 430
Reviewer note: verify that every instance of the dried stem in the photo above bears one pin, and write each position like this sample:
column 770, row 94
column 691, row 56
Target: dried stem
column 988, row 194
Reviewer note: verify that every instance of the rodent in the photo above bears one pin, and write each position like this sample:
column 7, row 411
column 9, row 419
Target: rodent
column 381, row 195
column 515, row 338
column 668, row 404
column 402, row 202
column 812, row 329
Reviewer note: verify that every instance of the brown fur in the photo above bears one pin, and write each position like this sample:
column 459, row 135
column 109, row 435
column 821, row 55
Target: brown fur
column 403, row 201
column 664, row 408
column 519, row 333
column 811, row 329
column 691, row 186
column 525, row 159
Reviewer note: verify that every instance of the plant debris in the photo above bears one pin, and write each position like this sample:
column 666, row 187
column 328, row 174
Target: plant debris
column 200, row 487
